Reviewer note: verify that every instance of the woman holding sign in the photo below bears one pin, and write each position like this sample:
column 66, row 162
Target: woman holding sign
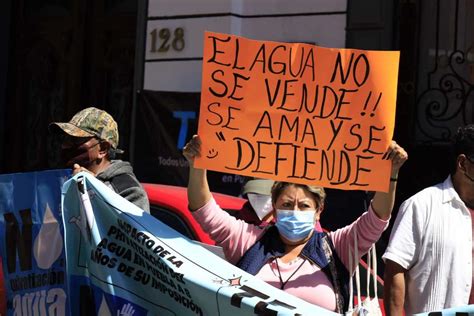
column 291, row 255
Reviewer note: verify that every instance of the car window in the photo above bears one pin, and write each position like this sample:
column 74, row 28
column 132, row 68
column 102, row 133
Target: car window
column 173, row 220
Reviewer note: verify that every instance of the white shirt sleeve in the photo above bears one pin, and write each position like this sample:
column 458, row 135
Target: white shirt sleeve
column 406, row 236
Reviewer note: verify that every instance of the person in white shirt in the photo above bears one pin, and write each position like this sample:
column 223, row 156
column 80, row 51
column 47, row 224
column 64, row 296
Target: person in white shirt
column 429, row 256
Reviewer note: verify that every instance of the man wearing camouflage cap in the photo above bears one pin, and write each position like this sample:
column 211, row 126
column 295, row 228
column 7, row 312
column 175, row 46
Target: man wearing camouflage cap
column 90, row 144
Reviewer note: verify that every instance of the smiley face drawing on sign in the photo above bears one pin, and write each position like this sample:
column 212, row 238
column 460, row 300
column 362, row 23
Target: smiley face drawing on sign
column 212, row 153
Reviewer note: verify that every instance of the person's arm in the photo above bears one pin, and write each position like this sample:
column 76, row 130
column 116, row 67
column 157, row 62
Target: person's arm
column 382, row 203
column 394, row 288
column 370, row 225
column 198, row 187
column 235, row 236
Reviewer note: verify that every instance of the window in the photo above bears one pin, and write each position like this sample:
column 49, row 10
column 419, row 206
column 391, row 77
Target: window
column 173, row 220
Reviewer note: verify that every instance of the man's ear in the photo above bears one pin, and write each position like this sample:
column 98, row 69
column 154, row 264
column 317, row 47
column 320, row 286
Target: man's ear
column 461, row 162
column 104, row 149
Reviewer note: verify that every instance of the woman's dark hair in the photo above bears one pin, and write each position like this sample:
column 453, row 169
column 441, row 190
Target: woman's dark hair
column 318, row 192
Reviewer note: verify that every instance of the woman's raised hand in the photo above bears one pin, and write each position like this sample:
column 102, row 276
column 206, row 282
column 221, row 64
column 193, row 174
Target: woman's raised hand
column 397, row 154
column 192, row 149
column 198, row 188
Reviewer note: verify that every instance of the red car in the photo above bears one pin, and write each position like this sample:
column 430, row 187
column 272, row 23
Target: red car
column 169, row 204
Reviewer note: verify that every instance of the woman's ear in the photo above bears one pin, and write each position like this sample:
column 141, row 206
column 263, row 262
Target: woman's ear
column 270, row 217
column 273, row 213
column 319, row 211
column 317, row 215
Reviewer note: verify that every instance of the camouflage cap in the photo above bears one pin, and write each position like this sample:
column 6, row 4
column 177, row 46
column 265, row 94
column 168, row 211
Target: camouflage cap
column 92, row 122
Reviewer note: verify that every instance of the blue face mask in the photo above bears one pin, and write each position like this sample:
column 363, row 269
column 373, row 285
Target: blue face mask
column 295, row 225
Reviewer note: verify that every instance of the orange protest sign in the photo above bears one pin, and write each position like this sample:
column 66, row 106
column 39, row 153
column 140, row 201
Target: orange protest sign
column 297, row 112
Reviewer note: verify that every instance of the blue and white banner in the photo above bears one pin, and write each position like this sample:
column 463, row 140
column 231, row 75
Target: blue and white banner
column 32, row 245
column 122, row 261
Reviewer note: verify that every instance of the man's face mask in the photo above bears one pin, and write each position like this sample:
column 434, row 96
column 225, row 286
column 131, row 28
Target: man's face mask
column 262, row 204
column 80, row 151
